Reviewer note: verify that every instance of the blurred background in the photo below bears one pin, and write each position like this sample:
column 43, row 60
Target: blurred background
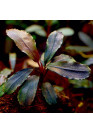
column 78, row 43
column 40, row 29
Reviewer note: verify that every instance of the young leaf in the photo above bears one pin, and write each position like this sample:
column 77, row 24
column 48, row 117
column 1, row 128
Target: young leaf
column 16, row 80
column 39, row 30
column 79, row 48
column 49, row 93
column 42, row 59
column 32, row 63
column 12, row 60
column 69, row 68
column 54, row 42
column 24, row 42
column 28, row 90
column 85, row 39
column 67, row 31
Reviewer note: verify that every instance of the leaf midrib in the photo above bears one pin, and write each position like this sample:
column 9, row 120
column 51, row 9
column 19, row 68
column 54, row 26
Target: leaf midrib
column 16, row 81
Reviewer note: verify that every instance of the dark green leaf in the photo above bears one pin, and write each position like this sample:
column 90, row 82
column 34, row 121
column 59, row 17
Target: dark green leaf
column 24, row 42
column 86, row 39
column 11, row 22
column 16, row 80
column 2, row 88
column 49, row 93
column 28, row 91
column 54, row 42
column 68, row 67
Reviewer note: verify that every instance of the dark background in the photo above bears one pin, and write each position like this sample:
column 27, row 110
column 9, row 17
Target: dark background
column 77, row 96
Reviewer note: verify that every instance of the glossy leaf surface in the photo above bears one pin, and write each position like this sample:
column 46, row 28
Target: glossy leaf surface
column 28, row 90
column 69, row 68
column 16, row 80
column 24, row 42
column 49, row 93
column 54, row 42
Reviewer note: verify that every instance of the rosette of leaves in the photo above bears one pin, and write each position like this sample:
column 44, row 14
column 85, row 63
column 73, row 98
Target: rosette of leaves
column 63, row 65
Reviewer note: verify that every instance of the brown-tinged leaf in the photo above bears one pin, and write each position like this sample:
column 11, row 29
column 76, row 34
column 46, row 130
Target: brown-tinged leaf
column 68, row 67
column 24, row 42
column 32, row 63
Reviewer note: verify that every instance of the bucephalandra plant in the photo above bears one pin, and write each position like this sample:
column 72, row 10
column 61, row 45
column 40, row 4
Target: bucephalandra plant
column 63, row 65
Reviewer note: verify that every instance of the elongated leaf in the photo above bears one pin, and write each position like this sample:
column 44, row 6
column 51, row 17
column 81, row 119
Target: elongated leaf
column 24, row 42
column 12, row 60
column 49, row 93
column 28, row 91
column 88, row 61
column 42, row 59
column 67, row 31
column 32, row 63
column 71, row 74
column 85, row 39
column 16, row 80
column 69, row 68
column 79, row 48
column 63, row 57
column 81, row 83
column 2, row 88
column 54, row 42
column 39, row 30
